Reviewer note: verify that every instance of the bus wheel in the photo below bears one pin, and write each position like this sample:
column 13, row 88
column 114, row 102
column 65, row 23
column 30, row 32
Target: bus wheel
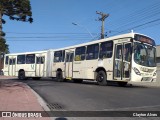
column 122, row 84
column 21, row 75
column 59, row 76
column 101, row 78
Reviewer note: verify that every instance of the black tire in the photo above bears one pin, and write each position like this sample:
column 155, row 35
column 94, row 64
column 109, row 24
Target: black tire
column 59, row 76
column 36, row 78
column 101, row 78
column 77, row 81
column 21, row 75
column 122, row 84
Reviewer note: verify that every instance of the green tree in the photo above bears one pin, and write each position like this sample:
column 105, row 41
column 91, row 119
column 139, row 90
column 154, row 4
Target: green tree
column 4, row 48
column 19, row 10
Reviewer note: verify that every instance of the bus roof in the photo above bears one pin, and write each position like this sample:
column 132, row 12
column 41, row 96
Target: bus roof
column 127, row 35
column 11, row 54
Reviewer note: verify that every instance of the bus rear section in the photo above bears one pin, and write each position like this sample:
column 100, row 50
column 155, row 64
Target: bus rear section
column 26, row 65
column 10, row 65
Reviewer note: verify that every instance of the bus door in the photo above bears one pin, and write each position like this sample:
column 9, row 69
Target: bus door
column 40, row 65
column 122, row 61
column 12, row 66
column 69, row 64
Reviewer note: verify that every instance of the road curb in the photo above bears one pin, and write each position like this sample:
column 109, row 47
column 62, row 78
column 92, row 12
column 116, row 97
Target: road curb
column 41, row 101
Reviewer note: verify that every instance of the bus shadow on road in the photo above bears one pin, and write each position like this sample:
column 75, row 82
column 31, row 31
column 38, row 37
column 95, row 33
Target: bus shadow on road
column 85, row 82
column 109, row 84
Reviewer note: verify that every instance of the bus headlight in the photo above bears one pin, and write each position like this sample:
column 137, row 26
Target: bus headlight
column 136, row 71
column 154, row 73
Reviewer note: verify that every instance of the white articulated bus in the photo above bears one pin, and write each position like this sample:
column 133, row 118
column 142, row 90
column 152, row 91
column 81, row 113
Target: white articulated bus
column 122, row 58
column 26, row 65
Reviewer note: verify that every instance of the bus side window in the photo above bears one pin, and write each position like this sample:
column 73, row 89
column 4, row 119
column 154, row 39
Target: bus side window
column 67, row 57
column 21, row 59
column 92, row 52
column 58, row 57
column 10, row 61
column 119, row 52
column 71, row 57
column 6, row 60
column 30, row 59
column 80, row 53
column 40, row 60
column 127, row 52
column 13, row 61
column 106, row 49
column 63, row 55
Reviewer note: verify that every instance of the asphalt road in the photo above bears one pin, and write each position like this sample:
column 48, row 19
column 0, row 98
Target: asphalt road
column 88, row 96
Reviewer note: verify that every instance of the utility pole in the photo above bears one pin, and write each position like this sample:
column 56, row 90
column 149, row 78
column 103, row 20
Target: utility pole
column 103, row 17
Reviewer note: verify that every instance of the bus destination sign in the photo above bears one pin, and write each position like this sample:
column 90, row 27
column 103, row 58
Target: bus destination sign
column 144, row 39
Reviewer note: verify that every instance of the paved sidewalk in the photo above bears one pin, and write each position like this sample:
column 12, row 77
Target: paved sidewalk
column 17, row 96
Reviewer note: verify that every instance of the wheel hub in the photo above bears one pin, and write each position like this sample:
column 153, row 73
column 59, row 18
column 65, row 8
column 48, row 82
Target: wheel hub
column 100, row 78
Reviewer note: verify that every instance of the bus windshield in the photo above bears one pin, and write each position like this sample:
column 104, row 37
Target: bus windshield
column 144, row 54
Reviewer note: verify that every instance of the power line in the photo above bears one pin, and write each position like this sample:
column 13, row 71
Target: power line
column 140, row 25
column 148, row 26
column 46, row 37
column 142, row 19
column 48, row 33
column 145, row 23
column 48, row 40
column 139, row 14
column 80, row 38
